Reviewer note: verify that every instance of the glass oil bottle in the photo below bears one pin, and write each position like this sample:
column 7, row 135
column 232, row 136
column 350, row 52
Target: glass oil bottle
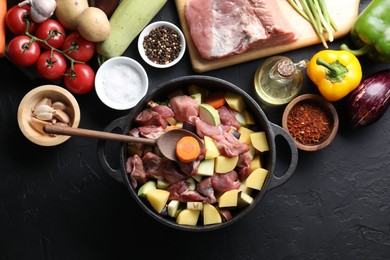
column 278, row 79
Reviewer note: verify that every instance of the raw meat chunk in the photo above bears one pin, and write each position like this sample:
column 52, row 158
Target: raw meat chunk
column 221, row 28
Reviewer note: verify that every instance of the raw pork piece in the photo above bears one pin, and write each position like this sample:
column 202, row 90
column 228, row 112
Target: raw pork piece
column 221, row 28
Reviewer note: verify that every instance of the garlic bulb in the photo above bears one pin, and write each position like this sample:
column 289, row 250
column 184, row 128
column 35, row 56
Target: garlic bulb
column 40, row 10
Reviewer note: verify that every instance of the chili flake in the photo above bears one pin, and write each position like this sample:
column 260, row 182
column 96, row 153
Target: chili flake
column 162, row 45
column 308, row 123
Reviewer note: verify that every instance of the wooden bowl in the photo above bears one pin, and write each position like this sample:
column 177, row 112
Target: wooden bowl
column 305, row 122
column 29, row 102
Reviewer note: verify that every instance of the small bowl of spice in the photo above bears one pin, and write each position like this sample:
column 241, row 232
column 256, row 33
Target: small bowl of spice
column 47, row 104
column 312, row 121
column 121, row 82
column 161, row 44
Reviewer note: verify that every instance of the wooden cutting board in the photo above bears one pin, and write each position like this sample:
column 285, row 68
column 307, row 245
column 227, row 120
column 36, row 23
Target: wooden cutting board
column 343, row 12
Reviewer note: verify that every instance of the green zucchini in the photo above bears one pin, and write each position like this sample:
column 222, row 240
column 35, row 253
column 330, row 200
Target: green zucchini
column 127, row 21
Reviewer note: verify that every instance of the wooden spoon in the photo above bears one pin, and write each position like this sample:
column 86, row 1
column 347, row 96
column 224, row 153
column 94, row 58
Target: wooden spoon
column 166, row 143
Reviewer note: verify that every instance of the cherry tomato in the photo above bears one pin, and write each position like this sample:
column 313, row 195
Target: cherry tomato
column 16, row 18
column 51, row 65
column 80, row 80
column 51, row 31
column 22, row 51
column 78, row 48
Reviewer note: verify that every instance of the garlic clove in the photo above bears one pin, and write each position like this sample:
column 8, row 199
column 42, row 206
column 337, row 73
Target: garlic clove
column 45, row 116
column 44, row 101
column 43, row 109
column 58, row 105
column 62, row 116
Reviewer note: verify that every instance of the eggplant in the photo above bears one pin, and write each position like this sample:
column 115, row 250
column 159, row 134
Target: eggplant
column 369, row 101
column 108, row 6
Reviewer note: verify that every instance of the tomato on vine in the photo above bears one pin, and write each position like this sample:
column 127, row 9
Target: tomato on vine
column 16, row 18
column 23, row 51
column 52, row 32
column 79, row 80
column 78, row 48
column 51, row 65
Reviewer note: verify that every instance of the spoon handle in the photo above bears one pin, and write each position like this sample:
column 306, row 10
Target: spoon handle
column 63, row 130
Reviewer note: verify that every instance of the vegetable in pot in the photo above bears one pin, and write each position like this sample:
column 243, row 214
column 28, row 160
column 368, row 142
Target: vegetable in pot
column 335, row 72
column 187, row 149
column 370, row 32
column 370, row 100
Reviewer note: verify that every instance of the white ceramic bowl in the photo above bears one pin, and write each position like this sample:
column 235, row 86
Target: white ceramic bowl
column 29, row 102
column 121, row 82
column 147, row 31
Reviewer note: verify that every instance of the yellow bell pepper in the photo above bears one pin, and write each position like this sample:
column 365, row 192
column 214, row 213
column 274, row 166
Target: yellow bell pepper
column 335, row 72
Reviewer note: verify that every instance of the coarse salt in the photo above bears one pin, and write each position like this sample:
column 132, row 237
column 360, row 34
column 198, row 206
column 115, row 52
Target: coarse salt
column 121, row 82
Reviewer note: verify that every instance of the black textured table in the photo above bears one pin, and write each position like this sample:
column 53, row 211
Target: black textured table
column 57, row 203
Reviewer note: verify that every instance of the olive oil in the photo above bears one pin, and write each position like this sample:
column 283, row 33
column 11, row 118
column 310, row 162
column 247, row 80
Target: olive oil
column 278, row 80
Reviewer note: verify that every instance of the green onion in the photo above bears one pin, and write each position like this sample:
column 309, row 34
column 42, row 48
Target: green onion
column 316, row 13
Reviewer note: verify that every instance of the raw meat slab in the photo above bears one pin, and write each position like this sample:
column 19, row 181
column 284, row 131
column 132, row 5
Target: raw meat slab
column 344, row 13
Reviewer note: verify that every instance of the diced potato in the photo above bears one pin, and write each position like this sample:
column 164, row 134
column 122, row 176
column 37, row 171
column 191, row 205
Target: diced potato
column 244, row 199
column 206, row 167
column 188, row 217
column 224, row 164
column 195, row 205
column 255, row 163
column 235, row 101
column 249, row 118
column 158, row 199
column 259, row 141
column 256, row 179
column 211, row 148
column 147, row 186
column 228, row 199
column 172, row 208
column 244, row 188
column 245, row 134
column 211, row 215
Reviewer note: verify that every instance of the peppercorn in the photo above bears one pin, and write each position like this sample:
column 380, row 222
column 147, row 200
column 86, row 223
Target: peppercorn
column 308, row 123
column 162, row 45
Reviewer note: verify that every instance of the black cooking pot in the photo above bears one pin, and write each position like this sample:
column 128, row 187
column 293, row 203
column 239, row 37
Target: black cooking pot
column 124, row 124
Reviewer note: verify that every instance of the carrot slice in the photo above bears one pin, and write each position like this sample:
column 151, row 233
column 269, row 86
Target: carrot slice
column 3, row 11
column 187, row 149
column 216, row 99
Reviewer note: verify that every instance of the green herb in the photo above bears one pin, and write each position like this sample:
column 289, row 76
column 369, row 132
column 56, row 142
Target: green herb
column 316, row 13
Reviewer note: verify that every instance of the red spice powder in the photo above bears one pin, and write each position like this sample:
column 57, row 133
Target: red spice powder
column 308, row 123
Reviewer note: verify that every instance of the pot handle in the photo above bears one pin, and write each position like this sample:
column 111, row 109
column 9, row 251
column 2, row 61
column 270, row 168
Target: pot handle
column 101, row 153
column 277, row 181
